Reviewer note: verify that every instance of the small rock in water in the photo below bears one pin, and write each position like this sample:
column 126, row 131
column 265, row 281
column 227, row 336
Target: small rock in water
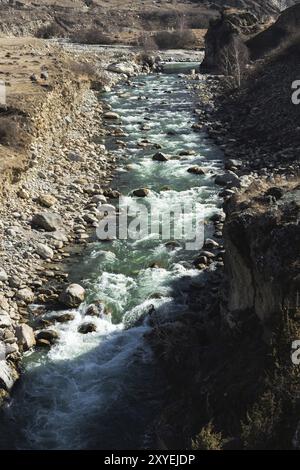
column 63, row 318
column 172, row 245
column 96, row 309
column 185, row 153
column 72, row 296
column 209, row 243
column 87, row 327
column 50, row 336
column 196, row 170
column 142, row 192
column 43, row 343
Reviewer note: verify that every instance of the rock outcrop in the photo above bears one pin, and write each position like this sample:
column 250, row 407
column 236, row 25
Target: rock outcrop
column 262, row 239
column 232, row 23
column 280, row 33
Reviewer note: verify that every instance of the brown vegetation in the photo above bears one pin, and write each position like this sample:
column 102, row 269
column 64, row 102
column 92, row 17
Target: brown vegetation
column 52, row 30
column 179, row 39
column 92, row 36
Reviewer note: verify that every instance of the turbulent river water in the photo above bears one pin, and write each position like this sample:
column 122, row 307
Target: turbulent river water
column 102, row 390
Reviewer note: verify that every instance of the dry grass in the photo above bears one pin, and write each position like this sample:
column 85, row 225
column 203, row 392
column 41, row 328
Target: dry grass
column 52, row 30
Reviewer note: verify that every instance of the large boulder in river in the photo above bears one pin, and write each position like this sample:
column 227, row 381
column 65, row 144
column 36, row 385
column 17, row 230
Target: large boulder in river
column 49, row 221
column 160, row 157
column 141, row 192
column 229, row 179
column 121, row 67
column 72, row 296
column 87, row 327
column 51, row 336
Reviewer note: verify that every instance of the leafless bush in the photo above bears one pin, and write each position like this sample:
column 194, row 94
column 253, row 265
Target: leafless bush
column 180, row 39
column 208, row 439
column 92, row 36
column 234, row 58
column 147, row 43
column 99, row 78
column 52, row 30
column 83, row 69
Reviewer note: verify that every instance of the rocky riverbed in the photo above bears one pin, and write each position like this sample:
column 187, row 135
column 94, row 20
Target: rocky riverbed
column 47, row 216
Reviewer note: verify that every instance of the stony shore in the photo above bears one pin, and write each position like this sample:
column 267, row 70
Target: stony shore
column 52, row 208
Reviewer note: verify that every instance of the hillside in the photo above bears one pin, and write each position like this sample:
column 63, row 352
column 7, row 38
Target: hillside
column 287, row 26
column 25, row 17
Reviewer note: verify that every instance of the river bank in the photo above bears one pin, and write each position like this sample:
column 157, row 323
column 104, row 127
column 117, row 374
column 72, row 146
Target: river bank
column 229, row 364
column 48, row 187
column 113, row 361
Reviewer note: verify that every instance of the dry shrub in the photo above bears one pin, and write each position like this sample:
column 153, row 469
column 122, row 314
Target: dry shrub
column 99, row 78
column 147, row 43
column 175, row 39
column 84, row 69
column 92, row 36
column 233, row 60
column 49, row 31
column 208, row 439
column 272, row 420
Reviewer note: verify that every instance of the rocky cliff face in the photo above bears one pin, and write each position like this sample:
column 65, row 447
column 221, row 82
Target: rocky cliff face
column 262, row 239
column 231, row 23
column 283, row 30
column 260, row 39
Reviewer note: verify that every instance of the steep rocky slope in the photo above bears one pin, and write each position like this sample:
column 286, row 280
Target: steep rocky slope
column 262, row 237
column 283, row 30
column 262, row 117
column 230, row 24
column 24, row 17
column 261, row 38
